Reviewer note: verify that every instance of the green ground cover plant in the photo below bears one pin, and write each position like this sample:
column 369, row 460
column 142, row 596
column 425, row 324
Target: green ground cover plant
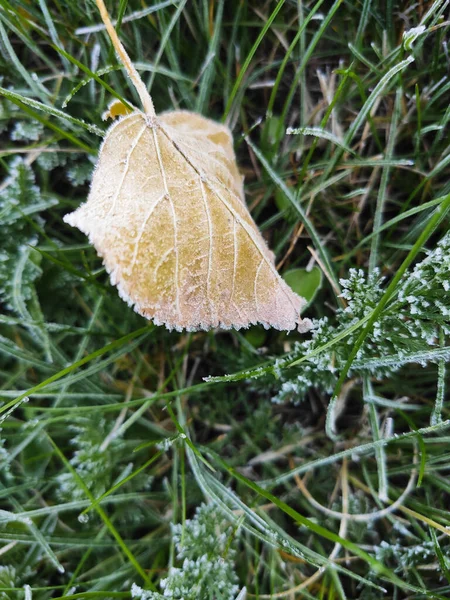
column 136, row 462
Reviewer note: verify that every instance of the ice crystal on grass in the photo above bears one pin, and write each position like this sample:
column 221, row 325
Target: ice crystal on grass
column 410, row 36
column 80, row 173
column 93, row 464
column 207, row 530
column 206, row 550
column 27, row 131
column 410, row 324
column 20, row 192
column 320, row 372
column 402, row 557
column 426, row 291
column 7, row 580
column 5, row 460
column 20, row 203
column 138, row 592
column 51, row 159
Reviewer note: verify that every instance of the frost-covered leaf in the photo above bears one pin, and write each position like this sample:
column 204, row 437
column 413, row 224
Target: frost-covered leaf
column 408, row 330
column 51, row 159
column 167, row 213
column 80, row 173
column 20, row 199
column 410, row 36
column 205, row 545
column 27, row 131
column 7, row 579
column 90, row 461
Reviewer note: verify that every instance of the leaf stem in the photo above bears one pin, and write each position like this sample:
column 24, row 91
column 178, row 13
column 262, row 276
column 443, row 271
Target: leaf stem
column 144, row 95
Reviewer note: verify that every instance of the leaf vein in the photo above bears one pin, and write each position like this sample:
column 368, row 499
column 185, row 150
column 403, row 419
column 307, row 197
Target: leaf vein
column 255, row 288
column 174, row 218
column 210, row 250
column 233, row 212
column 142, row 229
column 125, row 172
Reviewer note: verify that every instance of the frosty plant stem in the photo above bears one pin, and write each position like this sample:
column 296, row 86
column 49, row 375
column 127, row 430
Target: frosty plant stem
column 145, row 97
column 434, row 221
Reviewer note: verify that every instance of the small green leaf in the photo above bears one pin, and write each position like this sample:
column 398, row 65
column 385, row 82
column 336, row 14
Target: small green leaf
column 304, row 283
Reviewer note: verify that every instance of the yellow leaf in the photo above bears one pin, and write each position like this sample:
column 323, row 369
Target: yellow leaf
column 116, row 108
column 167, row 213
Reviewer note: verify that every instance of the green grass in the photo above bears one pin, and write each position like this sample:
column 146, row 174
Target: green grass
column 323, row 458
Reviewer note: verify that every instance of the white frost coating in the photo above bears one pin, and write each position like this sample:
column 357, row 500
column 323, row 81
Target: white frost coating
column 410, row 36
column 242, row 594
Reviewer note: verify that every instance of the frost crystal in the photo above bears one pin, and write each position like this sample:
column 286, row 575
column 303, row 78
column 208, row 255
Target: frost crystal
column 20, row 201
column 7, row 575
column 207, row 567
column 407, row 330
column 52, row 159
column 91, row 463
column 406, row 557
column 80, row 173
column 29, row 131
column 410, row 36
